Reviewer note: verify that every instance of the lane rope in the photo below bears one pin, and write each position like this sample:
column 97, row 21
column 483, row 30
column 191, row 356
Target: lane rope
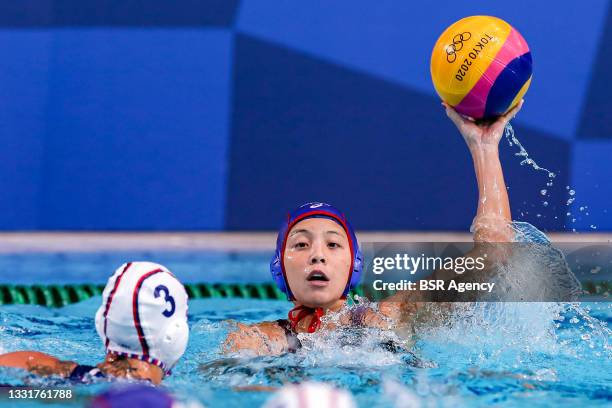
column 62, row 295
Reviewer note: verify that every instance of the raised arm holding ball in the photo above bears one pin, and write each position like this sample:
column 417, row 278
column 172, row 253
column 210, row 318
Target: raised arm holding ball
column 318, row 259
column 481, row 68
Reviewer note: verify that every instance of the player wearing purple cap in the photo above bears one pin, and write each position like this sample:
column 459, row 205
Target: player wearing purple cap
column 317, row 259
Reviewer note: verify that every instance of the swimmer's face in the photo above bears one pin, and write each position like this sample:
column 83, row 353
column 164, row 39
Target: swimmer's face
column 317, row 261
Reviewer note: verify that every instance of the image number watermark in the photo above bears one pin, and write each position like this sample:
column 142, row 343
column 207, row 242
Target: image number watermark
column 40, row 393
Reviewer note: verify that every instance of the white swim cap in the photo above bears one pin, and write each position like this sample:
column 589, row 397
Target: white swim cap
column 144, row 314
column 310, row 395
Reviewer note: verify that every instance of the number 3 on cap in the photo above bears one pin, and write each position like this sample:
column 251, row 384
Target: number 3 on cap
column 167, row 298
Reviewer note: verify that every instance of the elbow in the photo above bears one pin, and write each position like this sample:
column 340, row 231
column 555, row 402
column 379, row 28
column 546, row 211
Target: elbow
column 492, row 229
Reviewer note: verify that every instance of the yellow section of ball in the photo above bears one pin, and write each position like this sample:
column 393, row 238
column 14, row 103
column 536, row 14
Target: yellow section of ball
column 520, row 94
column 472, row 43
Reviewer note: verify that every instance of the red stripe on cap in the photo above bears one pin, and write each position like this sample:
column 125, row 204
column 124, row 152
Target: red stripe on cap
column 141, row 336
column 150, row 360
column 302, row 217
column 110, row 299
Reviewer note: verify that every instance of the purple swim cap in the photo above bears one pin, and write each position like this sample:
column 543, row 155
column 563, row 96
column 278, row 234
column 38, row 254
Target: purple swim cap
column 314, row 210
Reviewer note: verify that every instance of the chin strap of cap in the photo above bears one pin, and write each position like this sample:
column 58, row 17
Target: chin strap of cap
column 299, row 312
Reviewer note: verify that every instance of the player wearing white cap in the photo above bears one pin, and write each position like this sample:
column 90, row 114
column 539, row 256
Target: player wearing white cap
column 143, row 325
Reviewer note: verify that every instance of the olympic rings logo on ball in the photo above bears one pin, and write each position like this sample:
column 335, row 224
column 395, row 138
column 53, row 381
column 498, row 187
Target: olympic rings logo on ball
column 457, row 45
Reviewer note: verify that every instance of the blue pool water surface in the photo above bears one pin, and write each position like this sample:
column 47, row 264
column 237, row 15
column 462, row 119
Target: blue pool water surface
column 540, row 354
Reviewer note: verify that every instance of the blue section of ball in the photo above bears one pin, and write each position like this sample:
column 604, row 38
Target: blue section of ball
column 508, row 83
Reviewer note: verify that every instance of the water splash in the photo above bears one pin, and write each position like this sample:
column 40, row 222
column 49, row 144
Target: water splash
column 527, row 160
column 510, row 336
column 522, row 153
column 545, row 192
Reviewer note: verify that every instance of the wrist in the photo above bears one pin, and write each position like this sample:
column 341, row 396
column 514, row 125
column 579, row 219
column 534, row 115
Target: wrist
column 484, row 149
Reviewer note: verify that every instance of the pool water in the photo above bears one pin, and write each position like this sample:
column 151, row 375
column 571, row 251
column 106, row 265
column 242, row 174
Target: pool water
column 541, row 354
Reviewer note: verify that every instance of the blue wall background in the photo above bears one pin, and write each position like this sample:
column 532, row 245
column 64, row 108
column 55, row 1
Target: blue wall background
column 191, row 115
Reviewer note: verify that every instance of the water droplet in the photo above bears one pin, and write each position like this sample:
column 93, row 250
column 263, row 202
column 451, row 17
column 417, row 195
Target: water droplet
column 568, row 213
column 573, row 220
column 593, row 226
column 570, row 200
column 545, row 203
column 549, row 184
column 567, row 187
column 538, row 215
column 586, row 336
column 573, row 320
column 512, row 140
column 572, row 192
column 543, row 191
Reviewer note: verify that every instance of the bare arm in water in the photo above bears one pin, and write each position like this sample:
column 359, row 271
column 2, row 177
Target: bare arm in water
column 44, row 365
column 37, row 363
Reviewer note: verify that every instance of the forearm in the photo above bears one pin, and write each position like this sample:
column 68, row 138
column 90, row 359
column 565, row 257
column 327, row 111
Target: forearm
column 493, row 217
column 37, row 362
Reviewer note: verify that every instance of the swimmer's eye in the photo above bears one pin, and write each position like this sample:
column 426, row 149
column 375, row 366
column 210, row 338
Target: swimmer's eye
column 333, row 245
column 300, row 245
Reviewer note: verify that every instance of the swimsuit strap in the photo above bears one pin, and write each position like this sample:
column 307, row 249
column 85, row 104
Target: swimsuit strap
column 85, row 373
column 357, row 315
column 292, row 340
column 299, row 312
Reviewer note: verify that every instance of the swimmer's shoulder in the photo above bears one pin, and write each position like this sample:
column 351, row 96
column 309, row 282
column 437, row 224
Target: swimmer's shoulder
column 271, row 329
column 263, row 338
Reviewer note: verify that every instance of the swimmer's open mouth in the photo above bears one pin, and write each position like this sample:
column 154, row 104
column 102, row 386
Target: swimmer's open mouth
column 317, row 276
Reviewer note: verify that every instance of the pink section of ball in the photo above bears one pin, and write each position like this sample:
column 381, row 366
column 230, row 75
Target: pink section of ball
column 474, row 103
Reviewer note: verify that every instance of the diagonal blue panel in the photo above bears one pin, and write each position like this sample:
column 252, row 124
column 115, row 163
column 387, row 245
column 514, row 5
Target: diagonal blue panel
column 596, row 120
column 393, row 40
column 386, row 155
column 23, row 96
column 591, row 177
column 137, row 131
